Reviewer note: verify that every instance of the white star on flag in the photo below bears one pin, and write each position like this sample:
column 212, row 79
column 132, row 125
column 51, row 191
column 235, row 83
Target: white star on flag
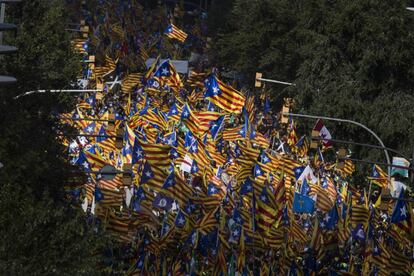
column 181, row 221
column 403, row 212
column 215, row 90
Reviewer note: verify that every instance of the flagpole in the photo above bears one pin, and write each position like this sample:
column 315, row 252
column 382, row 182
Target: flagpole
column 254, row 230
column 369, row 192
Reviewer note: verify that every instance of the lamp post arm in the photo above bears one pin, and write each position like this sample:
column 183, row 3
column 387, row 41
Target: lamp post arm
column 387, row 156
column 57, row 91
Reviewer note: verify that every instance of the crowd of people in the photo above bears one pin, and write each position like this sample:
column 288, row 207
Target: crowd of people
column 208, row 181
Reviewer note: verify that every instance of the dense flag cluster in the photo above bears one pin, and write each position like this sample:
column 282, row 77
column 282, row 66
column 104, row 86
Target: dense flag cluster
column 204, row 185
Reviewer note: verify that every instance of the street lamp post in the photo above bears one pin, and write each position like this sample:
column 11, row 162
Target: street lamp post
column 258, row 83
column 57, row 91
column 387, row 156
column 259, row 79
column 4, row 49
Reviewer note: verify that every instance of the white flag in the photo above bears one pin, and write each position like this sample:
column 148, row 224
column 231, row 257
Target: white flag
column 93, row 206
column 186, row 164
column 128, row 195
column 308, row 175
column 85, row 204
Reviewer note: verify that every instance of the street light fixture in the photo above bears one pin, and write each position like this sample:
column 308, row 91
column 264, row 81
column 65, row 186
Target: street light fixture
column 259, row 79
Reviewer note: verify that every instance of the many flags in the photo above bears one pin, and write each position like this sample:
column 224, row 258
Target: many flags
column 207, row 188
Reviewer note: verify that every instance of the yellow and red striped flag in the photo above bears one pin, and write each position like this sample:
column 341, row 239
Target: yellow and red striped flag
column 223, row 96
column 174, row 32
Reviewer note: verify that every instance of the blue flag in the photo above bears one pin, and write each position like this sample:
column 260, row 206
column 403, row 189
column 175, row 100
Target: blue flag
column 186, row 112
column 215, row 127
column 303, row 204
column 246, row 186
column 91, row 100
column 237, row 151
column 173, row 110
column 189, row 207
column 212, row 87
column 89, row 129
column 358, row 233
column 243, row 131
column 137, row 152
column 267, row 105
column 170, row 181
column 298, row 171
column 98, row 194
column 237, row 217
column 194, row 147
column 83, row 161
column 257, row 171
column 163, row 70
column 194, row 167
column 171, row 139
column 162, row 202
column 263, row 196
column 174, row 153
column 210, row 106
column 212, row 189
column 401, row 210
column 102, row 135
column 304, row 190
column 147, row 173
column 180, row 219
column 189, row 139
column 331, row 219
column 264, row 158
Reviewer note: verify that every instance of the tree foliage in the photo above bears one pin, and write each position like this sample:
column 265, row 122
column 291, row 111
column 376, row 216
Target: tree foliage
column 40, row 234
column 349, row 59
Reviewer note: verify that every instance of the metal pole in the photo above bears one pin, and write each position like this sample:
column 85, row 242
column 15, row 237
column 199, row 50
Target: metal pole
column 412, row 172
column 387, row 156
column 276, row 81
column 376, row 163
column 359, row 144
column 57, row 91
column 2, row 13
column 87, row 119
column 369, row 191
column 86, row 135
